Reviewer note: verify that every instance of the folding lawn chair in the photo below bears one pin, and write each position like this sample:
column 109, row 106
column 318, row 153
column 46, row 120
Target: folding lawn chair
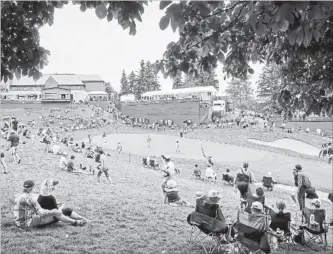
column 281, row 221
column 153, row 164
column 144, row 162
column 317, row 230
column 251, row 233
column 197, row 174
column 206, row 232
column 268, row 183
column 251, row 199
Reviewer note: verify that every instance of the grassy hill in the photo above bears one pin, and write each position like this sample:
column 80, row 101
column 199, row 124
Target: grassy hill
column 127, row 218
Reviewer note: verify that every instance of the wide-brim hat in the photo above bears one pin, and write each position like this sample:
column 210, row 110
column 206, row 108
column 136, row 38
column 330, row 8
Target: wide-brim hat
column 213, row 197
column 257, row 205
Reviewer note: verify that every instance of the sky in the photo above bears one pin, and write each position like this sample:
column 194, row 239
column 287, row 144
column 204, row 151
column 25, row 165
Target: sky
column 81, row 43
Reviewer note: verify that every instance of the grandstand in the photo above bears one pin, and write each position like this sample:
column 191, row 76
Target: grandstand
column 203, row 93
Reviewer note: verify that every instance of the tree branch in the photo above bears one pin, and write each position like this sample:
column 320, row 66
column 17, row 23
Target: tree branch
column 224, row 10
column 220, row 31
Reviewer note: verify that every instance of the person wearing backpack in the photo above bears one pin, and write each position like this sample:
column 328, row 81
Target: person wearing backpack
column 244, row 178
column 303, row 186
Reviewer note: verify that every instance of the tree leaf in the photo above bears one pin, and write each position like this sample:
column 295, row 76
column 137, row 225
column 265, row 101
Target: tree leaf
column 316, row 34
column 83, row 7
column 299, row 37
column 284, row 24
column 109, row 17
column 18, row 73
column 307, row 36
column 164, row 4
column 173, row 24
column 164, row 22
column 101, row 11
column 36, row 75
column 250, row 70
column 291, row 37
column 261, row 29
column 221, row 57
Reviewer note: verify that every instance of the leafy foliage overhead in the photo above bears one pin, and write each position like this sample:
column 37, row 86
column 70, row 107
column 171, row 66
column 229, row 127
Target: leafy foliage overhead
column 21, row 53
column 240, row 32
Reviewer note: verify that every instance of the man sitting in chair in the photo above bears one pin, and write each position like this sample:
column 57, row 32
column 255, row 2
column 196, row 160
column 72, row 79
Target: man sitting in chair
column 268, row 181
column 208, row 206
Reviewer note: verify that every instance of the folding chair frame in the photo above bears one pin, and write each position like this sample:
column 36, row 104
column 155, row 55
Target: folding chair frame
column 213, row 240
column 313, row 235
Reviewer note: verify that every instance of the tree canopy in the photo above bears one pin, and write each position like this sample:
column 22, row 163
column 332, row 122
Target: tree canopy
column 234, row 33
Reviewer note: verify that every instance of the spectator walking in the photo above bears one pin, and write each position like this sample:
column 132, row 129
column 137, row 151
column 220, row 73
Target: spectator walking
column 102, row 168
column 3, row 163
column 14, row 140
column 149, row 141
column 177, row 147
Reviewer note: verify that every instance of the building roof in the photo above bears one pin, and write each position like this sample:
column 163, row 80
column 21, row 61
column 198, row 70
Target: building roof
column 66, row 79
column 26, row 81
column 97, row 93
column 23, row 93
column 56, row 87
column 87, row 78
column 198, row 89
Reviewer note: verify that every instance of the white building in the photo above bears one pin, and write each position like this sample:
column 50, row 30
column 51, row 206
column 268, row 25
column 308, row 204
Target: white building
column 204, row 93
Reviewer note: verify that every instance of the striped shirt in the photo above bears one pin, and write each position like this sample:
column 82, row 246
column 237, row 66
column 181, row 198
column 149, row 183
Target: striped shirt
column 25, row 207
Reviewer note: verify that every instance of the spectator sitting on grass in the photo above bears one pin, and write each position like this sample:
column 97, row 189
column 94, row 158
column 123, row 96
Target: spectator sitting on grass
column 63, row 161
column 47, row 201
column 28, row 213
column 171, row 195
column 197, row 172
column 228, row 177
column 210, row 173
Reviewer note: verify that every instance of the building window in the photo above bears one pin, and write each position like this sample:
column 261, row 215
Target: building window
column 63, row 96
column 209, row 93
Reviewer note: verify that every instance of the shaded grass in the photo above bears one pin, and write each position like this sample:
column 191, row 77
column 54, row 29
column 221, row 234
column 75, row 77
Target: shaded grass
column 127, row 218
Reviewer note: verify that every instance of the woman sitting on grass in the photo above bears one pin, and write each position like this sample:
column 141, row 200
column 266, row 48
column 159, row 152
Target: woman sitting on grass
column 47, row 201
column 171, row 195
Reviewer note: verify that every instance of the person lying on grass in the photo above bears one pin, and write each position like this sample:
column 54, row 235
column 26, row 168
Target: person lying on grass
column 47, row 201
column 171, row 195
column 28, row 213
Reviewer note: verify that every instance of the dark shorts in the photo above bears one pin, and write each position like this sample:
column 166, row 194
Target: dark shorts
column 103, row 170
column 242, row 187
column 2, row 155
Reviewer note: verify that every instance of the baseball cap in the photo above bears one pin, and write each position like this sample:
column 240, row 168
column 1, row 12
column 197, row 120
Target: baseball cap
column 257, row 205
column 298, row 167
column 316, row 202
column 28, row 184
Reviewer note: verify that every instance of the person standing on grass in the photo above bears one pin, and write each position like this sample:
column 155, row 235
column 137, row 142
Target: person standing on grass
column 303, row 186
column 119, row 147
column 149, row 141
column 243, row 179
column 102, row 168
column 28, row 213
column 14, row 140
column 3, row 163
column 177, row 147
column 14, row 123
column 89, row 138
column 104, row 137
column 209, row 158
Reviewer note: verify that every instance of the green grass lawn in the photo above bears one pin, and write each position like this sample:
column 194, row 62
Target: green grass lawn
column 127, row 218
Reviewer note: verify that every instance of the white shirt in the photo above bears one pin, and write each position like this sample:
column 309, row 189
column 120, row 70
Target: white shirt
column 102, row 160
column 170, row 168
column 210, row 173
column 63, row 163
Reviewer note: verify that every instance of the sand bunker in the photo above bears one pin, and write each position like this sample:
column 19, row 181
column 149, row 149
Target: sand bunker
column 290, row 144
